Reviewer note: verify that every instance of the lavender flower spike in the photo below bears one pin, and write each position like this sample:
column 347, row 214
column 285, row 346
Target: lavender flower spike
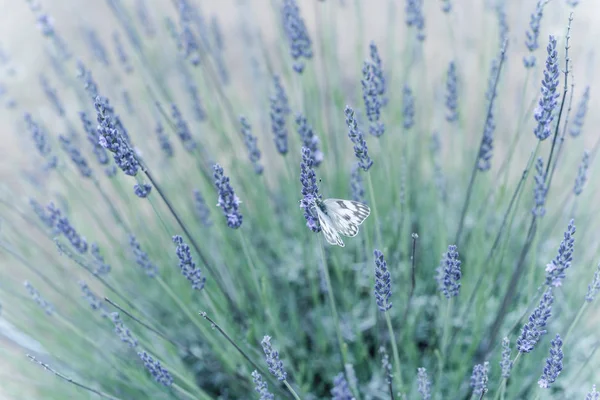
column 201, row 208
column 297, row 34
column 383, row 286
column 183, row 130
column 251, row 145
column 228, row 201
column 554, row 364
column 533, row 34
column 341, row 389
column 100, row 266
column 62, row 225
column 37, row 297
column 423, row 384
column 555, row 270
column 75, row 156
column 187, row 264
column 261, row 387
column 309, row 139
column 141, row 258
column 452, row 93
column 310, row 190
column 357, row 188
column 157, row 371
column 408, row 110
column 272, row 358
column 540, row 189
column 142, row 191
column 279, row 111
column 122, row 331
column 594, row 286
column 357, row 137
column 377, row 71
column 582, row 107
column 506, row 363
column 479, row 379
column 534, row 328
column 414, row 17
column 544, row 113
column 449, row 273
column 373, row 102
column 593, row 395
column 582, row 174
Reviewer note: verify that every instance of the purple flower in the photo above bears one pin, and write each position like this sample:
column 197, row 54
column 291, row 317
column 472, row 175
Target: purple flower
column 555, row 270
column 544, row 113
column 357, row 137
column 449, row 273
column 534, row 328
column 554, row 364
column 228, row 201
column 187, row 264
column 310, row 190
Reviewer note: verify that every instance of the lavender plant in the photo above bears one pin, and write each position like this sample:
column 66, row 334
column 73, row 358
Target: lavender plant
column 184, row 288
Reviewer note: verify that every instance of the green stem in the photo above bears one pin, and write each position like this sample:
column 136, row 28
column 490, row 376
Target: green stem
column 395, row 353
column 291, row 389
column 375, row 214
column 575, row 320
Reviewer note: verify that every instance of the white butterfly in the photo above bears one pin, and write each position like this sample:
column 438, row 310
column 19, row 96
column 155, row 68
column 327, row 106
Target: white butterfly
column 338, row 216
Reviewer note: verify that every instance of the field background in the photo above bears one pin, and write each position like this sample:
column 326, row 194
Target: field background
column 22, row 43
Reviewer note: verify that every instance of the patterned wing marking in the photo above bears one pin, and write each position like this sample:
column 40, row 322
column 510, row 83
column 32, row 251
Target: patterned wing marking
column 346, row 215
column 329, row 229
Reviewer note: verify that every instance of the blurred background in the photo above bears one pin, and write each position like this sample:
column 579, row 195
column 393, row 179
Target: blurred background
column 469, row 34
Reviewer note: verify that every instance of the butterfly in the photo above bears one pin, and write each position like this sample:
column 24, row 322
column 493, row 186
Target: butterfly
column 338, row 216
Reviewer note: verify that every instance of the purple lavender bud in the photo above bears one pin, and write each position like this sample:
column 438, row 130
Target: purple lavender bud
column 594, row 286
column 341, row 389
column 555, row 270
column 502, row 22
column 449, row 273
column 85, row 75
column 123, row 331
column 187, row 264
column 75, row 156
column 309, row 139
column 506, row 363
column 383, row 284
column 142, row 191
column 141, row 11
column 38, row 209
column 163, row 140
column 533, row 34
column 279, row 110
column 62, row 226
column 157, row 371
column 92, row 136
column 201, row 209
column 386, row 365
column 188, row 42
column 272, row 358
column 593, row 395
column 50, row 93
column 121, row 53
column 310, row 191
column 415, row 17
column 446, row 6
column 96, row 46
column 581, row 112
column 40, row 138
column 228, row 201
column 251, row 145
column 377, row 70
column 40, row 301
column 479, row 379
column 261, row 387
column 357, row 188
column 45, row 25
column 100, row 266
column 112, row 137
column 554, row 364
column 534, row 328
column 408, row 107
column 372, row 99
column 357, row 137
column 93, row 300
column 423, row 384
column 296, row 33
column 582, row 174
column 544, row 112
column 540, row 189
column 452, row 93
column 182, row 129
column 141, row 258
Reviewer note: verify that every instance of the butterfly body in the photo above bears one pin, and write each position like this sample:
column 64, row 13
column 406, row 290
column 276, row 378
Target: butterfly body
column 337, row 216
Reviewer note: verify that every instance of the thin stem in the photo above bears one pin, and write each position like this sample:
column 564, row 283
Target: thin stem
column 575, row 320
column 412, row 276
column 463, row 213
column 375, row 214
column 395, row 353
column 291, row 389
column 145, row 325
column 71, row 381
column 333, row 307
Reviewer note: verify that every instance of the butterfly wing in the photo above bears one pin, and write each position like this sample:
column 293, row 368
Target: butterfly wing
column 346, row 215
column 328, row 228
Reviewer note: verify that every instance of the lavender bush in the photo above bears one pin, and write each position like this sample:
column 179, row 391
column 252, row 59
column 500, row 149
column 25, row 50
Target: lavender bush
column 203, row 278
